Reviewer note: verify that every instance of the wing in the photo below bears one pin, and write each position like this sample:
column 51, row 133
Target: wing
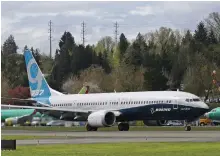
column 59, row 113
column 21, row 100
column 63, row 113
column 24, row 118
column 47, row 108
column 32, row 101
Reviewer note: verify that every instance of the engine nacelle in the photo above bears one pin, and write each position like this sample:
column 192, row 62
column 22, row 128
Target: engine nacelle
column 11, row 121
column 155, row 122
column 101, row 119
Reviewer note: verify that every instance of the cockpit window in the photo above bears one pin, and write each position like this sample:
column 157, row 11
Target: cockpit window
column 196, row 99
column 191, row 100
column 214, row 110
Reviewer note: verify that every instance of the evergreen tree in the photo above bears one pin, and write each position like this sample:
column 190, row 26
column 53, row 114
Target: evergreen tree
column 9, row 46
column 123, row 45
column 134, row 54
column 187, row 38
column 201, row 35
column 211, row 38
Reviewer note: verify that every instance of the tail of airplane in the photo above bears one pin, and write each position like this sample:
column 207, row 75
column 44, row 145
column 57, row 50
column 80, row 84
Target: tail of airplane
column 39, row 87
column 84, row 90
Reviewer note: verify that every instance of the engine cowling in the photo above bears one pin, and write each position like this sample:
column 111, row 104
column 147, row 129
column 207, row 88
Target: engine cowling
column 11, row 121
column 101, row 119
column 155, row 122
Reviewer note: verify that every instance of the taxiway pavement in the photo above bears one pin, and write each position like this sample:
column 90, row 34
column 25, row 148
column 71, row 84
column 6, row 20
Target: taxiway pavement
column 130, row 136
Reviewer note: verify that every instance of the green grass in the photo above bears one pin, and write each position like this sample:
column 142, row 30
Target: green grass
column 29, row 137
column 119, row 149
column 115, row 128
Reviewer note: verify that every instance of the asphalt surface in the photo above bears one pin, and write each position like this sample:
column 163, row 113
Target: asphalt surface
column 130, row 136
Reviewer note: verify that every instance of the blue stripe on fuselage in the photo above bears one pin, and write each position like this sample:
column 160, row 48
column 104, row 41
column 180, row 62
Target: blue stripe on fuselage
column 161, row 111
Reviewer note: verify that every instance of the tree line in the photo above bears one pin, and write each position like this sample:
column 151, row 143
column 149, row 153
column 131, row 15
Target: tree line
column 164, row 59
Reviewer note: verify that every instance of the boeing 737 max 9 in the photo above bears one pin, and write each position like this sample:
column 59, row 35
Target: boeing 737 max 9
column 106, row 109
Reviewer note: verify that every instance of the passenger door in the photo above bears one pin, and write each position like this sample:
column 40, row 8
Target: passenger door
column 175, row 104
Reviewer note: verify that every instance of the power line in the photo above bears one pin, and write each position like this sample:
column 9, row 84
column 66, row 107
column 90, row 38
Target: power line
column 116, row 32
column 50, row 37
column 83, row 32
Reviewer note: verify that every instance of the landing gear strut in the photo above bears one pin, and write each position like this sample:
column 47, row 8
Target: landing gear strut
column 123, row 126
column 187, row 126
column 90, row 128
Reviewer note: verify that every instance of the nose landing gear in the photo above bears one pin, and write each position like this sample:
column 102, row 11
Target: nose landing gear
column 187, row 126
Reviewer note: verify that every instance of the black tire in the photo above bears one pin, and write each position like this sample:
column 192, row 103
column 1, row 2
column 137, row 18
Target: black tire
column 94, row 129
column 188, row 128
column 90, row 128
column 120, row 127
column 123, row 127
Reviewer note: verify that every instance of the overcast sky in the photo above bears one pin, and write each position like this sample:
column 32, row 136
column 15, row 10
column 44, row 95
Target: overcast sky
column 28, row 21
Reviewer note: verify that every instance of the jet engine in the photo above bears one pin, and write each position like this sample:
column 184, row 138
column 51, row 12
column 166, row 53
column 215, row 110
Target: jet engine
column 102, row 118
column 155, row 122
column 11, row 121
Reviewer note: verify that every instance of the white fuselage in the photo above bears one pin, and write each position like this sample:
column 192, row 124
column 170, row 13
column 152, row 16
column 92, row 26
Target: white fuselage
column 117, row 101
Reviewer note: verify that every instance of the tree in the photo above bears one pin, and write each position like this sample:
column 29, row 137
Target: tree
column 188, row 38
column 135, row 52
column 127, row 78
column 213, row 23
column 92, row 77
column 20, row 93
column 123, row 45
column 62, row 67
column 201, row 35
column 4, row 86
column 15, row 70
column 211, row 38
column 154, row 78
column 9, row 46
column 197, row 78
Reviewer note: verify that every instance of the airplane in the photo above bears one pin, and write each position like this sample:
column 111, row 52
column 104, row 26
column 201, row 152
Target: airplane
column 107, row 109
column 17, row 116
column 214, row 114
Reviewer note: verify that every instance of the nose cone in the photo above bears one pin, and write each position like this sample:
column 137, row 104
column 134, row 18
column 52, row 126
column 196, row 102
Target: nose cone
column 206, row 115
column 204, row 105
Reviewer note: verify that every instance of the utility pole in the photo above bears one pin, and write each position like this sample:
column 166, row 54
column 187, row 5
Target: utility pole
column 83, row 32
column 50, row 37
column 116, row 32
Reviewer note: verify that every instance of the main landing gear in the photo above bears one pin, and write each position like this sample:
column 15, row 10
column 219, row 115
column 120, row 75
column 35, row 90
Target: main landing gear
column 187, row 126
column 90, row 128
column 123, row 126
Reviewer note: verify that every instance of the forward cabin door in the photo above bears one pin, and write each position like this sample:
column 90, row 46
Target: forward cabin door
column 175, row 104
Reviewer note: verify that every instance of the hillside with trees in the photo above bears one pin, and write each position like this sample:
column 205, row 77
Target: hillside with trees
column 165, row 59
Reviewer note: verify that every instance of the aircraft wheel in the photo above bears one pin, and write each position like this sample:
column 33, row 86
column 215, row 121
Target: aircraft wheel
column 90, row 128
column 123, row 126
column 94, row 129
column 188, row 128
